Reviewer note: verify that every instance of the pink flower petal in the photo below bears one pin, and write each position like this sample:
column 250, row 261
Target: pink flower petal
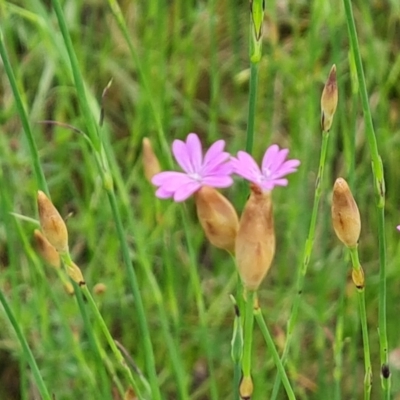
column 214, row 152
column 181, row 155
column 186, row 190
column 194, row 151
column 218, row 181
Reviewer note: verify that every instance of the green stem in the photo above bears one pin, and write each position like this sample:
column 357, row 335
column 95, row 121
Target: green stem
column 252, row 106
column 26, row 349
column 363, row 316
column 248, row 333
column 39, row 174
column 271, row 346
column 306, row 259
column 117, row 354
column 237, row 350
column 379, row 185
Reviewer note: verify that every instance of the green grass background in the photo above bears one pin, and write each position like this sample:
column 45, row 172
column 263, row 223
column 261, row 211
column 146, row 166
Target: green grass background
column 190, row 73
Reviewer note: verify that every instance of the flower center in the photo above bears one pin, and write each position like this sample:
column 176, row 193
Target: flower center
column 195, row 176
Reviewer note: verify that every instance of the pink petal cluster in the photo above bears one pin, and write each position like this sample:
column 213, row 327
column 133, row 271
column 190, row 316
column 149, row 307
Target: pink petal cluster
column 213, row 170
column 274, row 167
column 217, row 166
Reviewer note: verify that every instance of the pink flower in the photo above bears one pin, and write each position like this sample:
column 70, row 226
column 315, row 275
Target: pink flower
column 214, row 170
column 273, row 168
column 398, row 227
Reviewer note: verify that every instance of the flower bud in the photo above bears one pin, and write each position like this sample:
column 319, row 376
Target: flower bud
column 75, row 274
column 345, row 214
column 151, row 164
column 217, row 217
column 357, row 274
column 246, row 388
column 53, row 226
column 46, row 250
column 329, row 100
column 255, row 240
column 99, row 288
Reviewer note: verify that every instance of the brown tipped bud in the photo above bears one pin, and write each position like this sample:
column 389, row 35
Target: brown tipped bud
column 99, row 288
column 46, row 250
column 345, row 214
column 217, row 217
column 358, row 277
column 151, row 165
column 246, row 388
column 329, row 100
column 130, row 394
column 53, row 226
column 75, row 274
column 255, row 241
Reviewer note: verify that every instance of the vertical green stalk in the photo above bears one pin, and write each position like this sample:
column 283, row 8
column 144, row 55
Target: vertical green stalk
column 379, row 186
column 248, row 334
column 237, row 350
column 252, row 107
column 358, row 272
column 106, row 177
column 39, row 174
column 255, row 47
column 338, row 347
column 214, row 70
column 26, row 349
column 271, row 346
column 117, row 354
column 118, row 15
column 309, row 244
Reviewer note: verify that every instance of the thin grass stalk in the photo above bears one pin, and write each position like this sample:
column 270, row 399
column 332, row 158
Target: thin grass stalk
column 195, row 281
column 302, row 271
column 119, row 17
column 338, row 348
column 93, row 342
column 27, row 353
column 364, row 327
column 252, row 107
column 37, row 167
column 214, row 70
column 174, row 351
column 106, row 177
column 271, row 346
column 237, row 350
column 117, row 354
column 379, row 186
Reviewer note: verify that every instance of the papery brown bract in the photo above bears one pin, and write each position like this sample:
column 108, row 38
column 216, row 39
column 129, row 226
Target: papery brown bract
column 151, row 165
column 46, row 249
column 217, row 217
column 52, row 224
column 255, row 240
column 345, row 214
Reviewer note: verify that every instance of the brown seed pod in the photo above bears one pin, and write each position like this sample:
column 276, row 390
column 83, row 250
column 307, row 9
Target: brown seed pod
column 53, row 226
column 345, row 215
column 151, row 164
column 217, row 217
column 255, row 241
